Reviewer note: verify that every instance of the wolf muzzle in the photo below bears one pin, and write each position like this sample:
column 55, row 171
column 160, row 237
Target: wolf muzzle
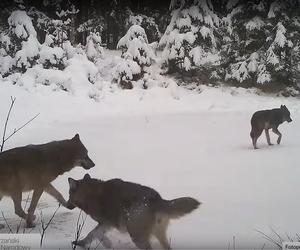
column 87, row 163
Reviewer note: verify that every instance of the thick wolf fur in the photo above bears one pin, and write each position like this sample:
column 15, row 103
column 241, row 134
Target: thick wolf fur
column 128, row 207
column 268, row 119
column 34, row 167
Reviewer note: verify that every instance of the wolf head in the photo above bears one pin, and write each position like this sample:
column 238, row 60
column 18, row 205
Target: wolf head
column 80, row 190
column 285, row 113
column 81, row 154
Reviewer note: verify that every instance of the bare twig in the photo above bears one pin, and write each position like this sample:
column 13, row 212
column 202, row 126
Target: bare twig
column 18, row 129
column 277, row 234
column 13, row 99
column 233, row 242
column 45, row 226
column 7, row 224
column 21, row 219
column 270, row 239
column 4, row 138
column 79, row 227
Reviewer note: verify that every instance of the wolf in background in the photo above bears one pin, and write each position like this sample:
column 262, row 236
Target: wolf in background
column 34, row 167
column 268, row 119
column 128, row 207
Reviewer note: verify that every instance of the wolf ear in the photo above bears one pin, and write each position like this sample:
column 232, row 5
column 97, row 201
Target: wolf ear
column 76, row 137
column 87, row 176
column 72, row 183
column 281, row 106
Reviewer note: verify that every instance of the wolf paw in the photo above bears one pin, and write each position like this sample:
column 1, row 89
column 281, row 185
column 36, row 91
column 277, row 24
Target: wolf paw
column 30, row 224
column 69, row 206
column 80, row 243
column 32, row 218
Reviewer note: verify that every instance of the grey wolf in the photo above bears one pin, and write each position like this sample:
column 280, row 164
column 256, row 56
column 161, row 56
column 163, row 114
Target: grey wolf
column 34, row 167
column 128, row 207
column 268, row 119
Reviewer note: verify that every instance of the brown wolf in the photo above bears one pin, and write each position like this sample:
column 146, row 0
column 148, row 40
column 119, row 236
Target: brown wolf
column 128, row 207
column 266, row 119
column 34, row 167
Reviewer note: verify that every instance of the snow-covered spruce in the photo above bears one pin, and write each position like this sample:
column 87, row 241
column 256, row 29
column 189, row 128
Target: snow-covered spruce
column 127, row 71
column 190, row 41
column 260, row 45
column 137, row 54
column 93, row 47
column 148, row 24
column 52, row 56
column 19, row 46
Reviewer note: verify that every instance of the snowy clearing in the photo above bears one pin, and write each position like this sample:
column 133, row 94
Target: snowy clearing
column 195, row 145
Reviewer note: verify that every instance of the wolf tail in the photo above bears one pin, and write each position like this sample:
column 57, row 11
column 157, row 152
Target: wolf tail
column 178, row 207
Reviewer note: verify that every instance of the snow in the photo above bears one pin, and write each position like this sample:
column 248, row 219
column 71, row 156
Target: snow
column 93, row 46
column 255, row 23
column 201, row 57
column 204, row 31
column 5, row 41
column 6, row 63
column 51, row 54
column 21, row 24
column 252, row 66
column 183, row 22
column 139, row 51
column 195, row 145
column 274, row 7
column 239, row 71
column 189, row 39
column 30, row 49
column 280, row 38
column 135, row 31
column 263, row 75
column 180, row 142
column 271, row 57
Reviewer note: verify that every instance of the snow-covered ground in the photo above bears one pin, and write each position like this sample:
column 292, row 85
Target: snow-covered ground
column 196, row 144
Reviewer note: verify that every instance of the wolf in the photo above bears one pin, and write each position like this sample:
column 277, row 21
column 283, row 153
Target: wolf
column 128, row 207
column 268, row 119
column 34, row 167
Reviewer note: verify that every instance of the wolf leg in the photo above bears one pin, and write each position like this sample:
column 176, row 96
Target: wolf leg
column 97, row 232
column 268, row 136
column 139, row 225
column 58, row 196
column 141, row 242
column 276, row 131
column 34, row 201
column 255, row 133
column 17, row 199
column 160, row 230
column 254, row 141
column 100, row 234
column 88, row 239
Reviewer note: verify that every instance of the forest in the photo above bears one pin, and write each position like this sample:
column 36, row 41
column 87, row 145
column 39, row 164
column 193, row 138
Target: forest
column 233, row 42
